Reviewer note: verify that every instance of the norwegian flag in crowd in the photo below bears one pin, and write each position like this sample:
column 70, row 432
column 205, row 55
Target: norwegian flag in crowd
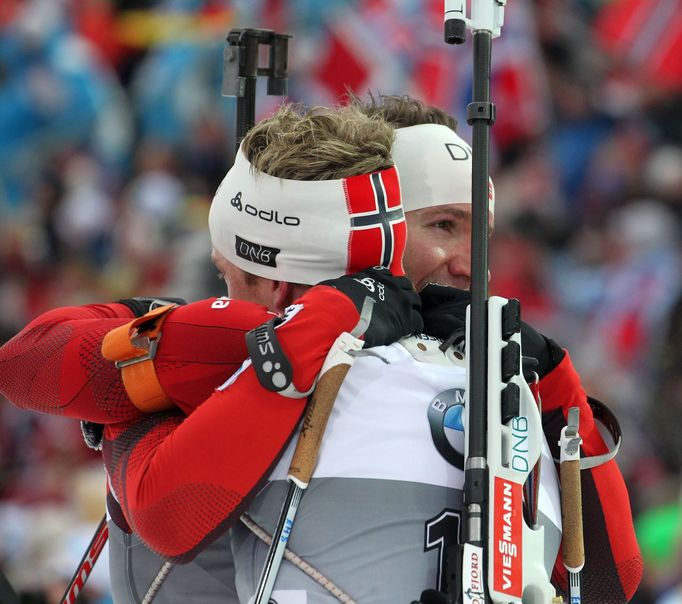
column 644, row 36
column 519, row 86
column 361, row 50
column 397, row 47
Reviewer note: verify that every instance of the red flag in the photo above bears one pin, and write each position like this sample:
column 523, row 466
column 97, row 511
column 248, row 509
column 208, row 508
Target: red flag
column 343, row 66
column 519, row 83
column 434, row 76
column 644, row 36
column 518, row 89
column 362, row 49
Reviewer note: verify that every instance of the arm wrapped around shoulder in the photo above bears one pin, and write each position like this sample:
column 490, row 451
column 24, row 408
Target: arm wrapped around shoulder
column 54, row 365
column 372, row 304
column 395, row 304
column 444, row 311
column 199, row 346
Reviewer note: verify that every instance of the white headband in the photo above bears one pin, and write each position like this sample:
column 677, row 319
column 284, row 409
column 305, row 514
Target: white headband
column 434, row 165
column 307, row 231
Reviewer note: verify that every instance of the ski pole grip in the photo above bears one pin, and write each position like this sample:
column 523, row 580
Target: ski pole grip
column 572, row 515
column 314, row 424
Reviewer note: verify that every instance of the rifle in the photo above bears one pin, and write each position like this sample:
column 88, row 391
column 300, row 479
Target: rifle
column 501, row 559
column 241, row 68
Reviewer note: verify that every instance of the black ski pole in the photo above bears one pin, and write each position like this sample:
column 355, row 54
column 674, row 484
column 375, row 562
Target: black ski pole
column 502, row 558
column 486, row 21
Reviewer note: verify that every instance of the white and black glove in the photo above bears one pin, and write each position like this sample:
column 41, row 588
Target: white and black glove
column 396, row 309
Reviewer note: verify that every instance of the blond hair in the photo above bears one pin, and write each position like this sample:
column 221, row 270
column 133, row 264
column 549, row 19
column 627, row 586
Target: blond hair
column 319, row 143
column 402, row 111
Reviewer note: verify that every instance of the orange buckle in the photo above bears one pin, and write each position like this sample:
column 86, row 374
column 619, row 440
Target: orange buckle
column 133, row 348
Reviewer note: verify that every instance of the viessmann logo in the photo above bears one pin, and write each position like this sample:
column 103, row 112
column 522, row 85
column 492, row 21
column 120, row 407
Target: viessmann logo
column 507, row 537
column 265, row 215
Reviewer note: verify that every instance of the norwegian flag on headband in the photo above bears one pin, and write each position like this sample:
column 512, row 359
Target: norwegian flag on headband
column 377, row 231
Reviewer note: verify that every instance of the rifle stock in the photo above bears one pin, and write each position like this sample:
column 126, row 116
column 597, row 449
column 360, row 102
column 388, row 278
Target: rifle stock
column 516, row 568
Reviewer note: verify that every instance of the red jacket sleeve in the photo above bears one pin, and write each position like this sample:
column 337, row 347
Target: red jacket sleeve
column 54, row 365
column 613, row 563
column 202, row 345
column 182, row 481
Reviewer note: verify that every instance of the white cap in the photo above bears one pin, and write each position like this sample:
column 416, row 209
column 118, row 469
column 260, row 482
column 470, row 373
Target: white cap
column 434, row 164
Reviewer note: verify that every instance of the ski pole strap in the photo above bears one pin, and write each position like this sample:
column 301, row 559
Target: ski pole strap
column 606, row 417
column 133, row 347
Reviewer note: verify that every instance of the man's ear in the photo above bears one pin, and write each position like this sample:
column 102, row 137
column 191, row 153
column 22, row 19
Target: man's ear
column 284, row 295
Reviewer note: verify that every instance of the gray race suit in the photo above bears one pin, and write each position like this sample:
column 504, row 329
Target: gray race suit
column 208, row 579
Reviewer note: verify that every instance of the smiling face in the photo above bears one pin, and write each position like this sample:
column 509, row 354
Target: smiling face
column 435, row 167
column 439, row 246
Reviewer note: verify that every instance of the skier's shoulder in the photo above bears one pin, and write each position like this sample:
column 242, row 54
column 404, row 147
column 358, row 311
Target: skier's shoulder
column 424, row 348
column 417, row 349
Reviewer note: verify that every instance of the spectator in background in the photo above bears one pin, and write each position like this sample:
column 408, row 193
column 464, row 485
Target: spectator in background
column 55, row 93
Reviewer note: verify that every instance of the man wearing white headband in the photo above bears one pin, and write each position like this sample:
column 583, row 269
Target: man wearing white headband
column 274, row 237
column 383, row 492
column 435, row 177
column 435, row 171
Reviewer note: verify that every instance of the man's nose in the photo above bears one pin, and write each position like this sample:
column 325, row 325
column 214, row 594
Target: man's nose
column 459, row 270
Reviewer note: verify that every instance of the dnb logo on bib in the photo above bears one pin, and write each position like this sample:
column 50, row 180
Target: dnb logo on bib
column 447, row 425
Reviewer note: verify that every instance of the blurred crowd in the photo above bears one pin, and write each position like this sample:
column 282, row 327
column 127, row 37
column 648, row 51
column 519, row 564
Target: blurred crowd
column 114, row 136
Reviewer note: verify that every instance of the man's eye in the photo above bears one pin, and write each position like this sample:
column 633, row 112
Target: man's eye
column 447, row 225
